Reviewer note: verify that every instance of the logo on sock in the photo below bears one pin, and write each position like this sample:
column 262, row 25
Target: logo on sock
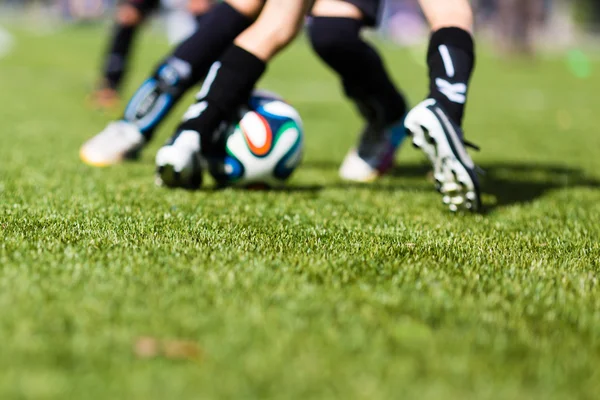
column 447, row 59
column 455, row 92
column 208, row 81
column 195, row 110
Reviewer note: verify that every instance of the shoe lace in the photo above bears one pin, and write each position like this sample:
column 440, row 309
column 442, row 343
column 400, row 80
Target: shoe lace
column 471, row 145
column 475, row 147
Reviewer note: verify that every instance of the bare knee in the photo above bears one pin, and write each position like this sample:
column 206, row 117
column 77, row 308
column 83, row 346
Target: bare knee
column 284, row 35
column 280, row 24
column 128, row 15
column 448, row 13
column 277, row 25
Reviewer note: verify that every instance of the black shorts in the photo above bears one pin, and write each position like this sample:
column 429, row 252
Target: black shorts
column 145, row 7
column 371, row 10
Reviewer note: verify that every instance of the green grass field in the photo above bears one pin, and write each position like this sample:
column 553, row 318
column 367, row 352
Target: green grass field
column 325, row 290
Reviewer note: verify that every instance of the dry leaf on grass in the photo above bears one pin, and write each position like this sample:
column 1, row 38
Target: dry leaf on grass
column 181, row 349
column 149, row 347
column 146, row 347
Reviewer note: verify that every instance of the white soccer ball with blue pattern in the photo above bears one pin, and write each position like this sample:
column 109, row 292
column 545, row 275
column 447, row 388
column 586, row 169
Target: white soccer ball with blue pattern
column 264, row 147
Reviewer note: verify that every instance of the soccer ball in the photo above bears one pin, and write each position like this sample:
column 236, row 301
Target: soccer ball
column 263, row 148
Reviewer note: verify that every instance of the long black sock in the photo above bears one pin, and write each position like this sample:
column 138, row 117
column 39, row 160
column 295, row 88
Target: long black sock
column 337, row 41
column 227, row 87
column 188, row 65
column 451, row 59
column 117, row 56
column 219, row 27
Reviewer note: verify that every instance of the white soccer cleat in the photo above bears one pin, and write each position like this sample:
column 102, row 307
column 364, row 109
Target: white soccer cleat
column 442, row 142
column 179, row 162
column 374, row 155
column 356, row 169
column 117, row 142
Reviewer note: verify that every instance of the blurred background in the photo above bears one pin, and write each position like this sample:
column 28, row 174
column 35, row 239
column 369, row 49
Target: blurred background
column 512, row 26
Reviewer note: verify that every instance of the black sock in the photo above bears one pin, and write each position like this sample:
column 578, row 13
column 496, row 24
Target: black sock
column 451, row 59
column 199, row 18
column 187, row 66
column 337, row 41
column 227, row 87
column 219, row 27
column 118, row 54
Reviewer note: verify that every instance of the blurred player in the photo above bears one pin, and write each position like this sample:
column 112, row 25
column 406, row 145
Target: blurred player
column 130, row 15
column 519, row 20
column 435, row 124
column 228, row 86
column 335, row 36
column 240, row 65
